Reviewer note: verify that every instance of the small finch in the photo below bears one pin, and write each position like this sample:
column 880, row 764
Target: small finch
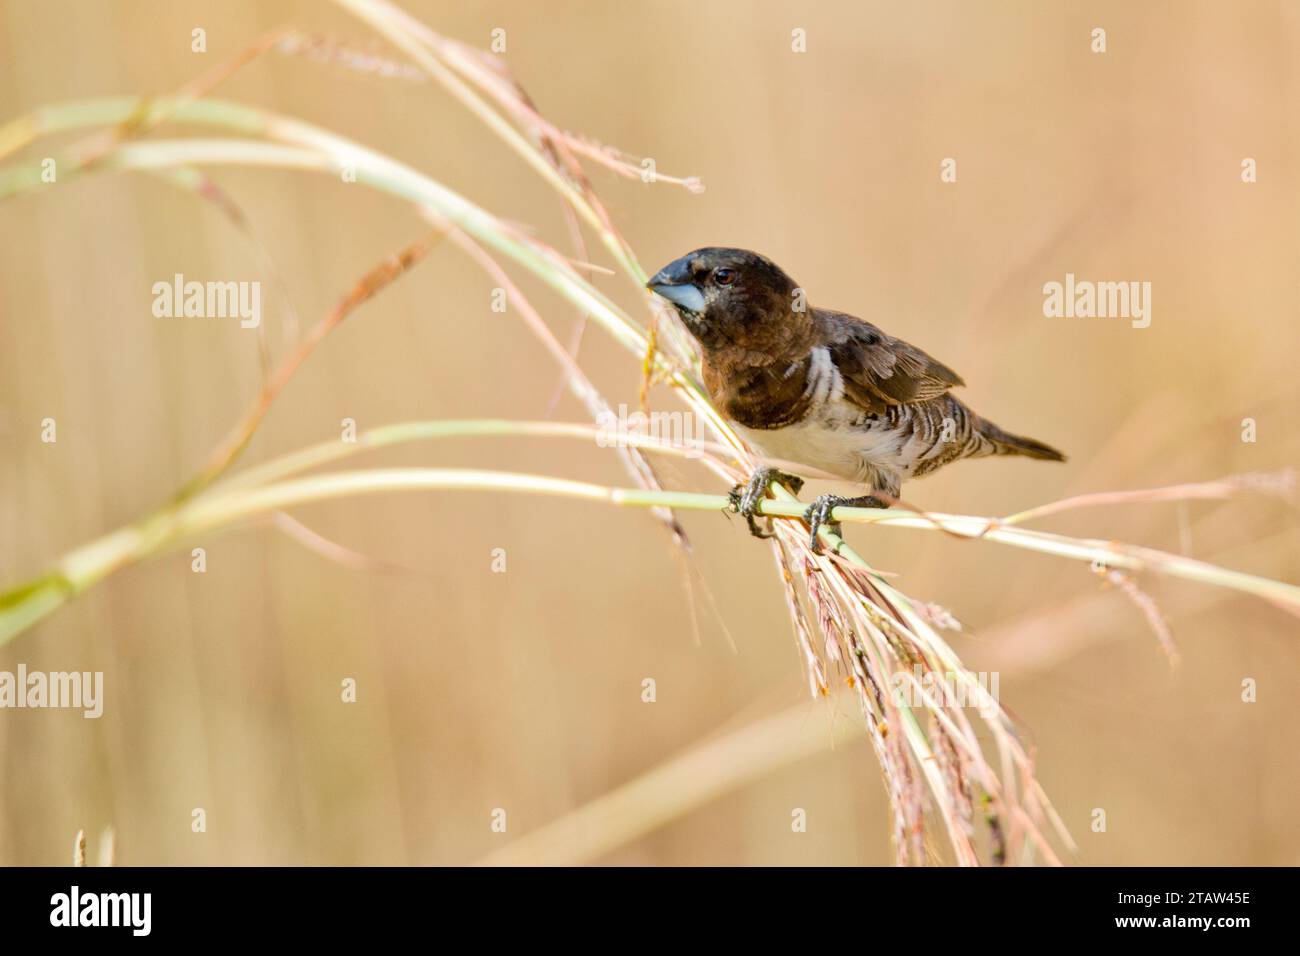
column 821, row 388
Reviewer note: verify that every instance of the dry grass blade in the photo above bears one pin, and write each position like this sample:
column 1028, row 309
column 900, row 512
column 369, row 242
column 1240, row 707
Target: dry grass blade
column 1281, row 484
column 365, row 289
column 579, row 384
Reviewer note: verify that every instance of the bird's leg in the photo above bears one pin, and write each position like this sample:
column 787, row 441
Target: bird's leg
column 819, row 514
column 745, row 499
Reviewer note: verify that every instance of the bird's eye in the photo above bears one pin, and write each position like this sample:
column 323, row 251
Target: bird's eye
column 724, row 276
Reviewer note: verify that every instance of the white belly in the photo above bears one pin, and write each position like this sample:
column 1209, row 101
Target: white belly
column 830, row 443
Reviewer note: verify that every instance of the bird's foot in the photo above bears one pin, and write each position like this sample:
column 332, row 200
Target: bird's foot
column 818, row 515
column 746, row 499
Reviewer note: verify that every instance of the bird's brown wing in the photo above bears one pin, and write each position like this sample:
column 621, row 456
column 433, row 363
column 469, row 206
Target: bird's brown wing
column 878, row 369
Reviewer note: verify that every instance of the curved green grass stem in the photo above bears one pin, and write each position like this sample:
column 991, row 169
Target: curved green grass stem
column 272, row 487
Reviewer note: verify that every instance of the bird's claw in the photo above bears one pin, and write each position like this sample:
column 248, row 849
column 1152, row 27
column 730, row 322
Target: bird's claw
column 818, row 515
column 746, row 499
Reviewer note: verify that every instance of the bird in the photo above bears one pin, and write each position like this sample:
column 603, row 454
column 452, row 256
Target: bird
column 821, row 388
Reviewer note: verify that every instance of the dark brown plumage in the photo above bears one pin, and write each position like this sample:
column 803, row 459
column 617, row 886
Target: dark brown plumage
column 823, row 388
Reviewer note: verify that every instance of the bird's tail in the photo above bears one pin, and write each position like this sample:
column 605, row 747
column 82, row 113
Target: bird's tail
column 1009, row 444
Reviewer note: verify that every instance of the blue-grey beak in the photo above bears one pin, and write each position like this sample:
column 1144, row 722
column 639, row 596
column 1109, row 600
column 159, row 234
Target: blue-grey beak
column 673, row 282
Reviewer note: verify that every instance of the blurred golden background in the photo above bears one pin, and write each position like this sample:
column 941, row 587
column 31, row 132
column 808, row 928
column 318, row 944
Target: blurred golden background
column 522, row 690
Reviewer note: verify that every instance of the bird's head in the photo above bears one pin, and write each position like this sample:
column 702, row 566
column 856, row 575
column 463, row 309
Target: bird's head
column 732, row 297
